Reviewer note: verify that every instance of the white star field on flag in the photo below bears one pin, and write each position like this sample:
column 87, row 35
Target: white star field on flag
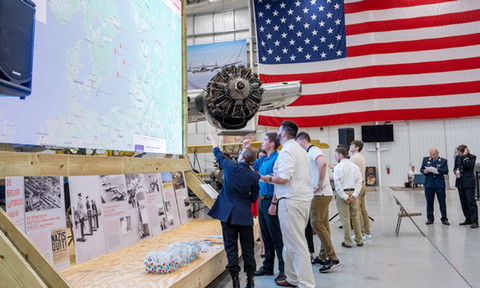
column 300, row 31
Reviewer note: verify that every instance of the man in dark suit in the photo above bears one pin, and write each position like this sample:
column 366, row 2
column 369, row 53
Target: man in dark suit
column 233, row 208
column 434, row 168
column 465, row 182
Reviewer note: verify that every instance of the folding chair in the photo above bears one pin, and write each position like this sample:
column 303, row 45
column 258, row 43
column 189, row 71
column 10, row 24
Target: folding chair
column 404, row 213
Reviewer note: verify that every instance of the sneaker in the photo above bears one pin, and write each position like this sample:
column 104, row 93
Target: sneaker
column 317, row 260
column 331, row 264
column 367, row 236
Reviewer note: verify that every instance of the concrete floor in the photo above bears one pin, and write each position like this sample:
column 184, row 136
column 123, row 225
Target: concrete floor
column 449, row 256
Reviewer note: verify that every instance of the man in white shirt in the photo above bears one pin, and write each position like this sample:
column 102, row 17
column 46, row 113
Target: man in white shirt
column 293, row 196
column 322, row 195
column 411, row 175
column 355, row 148
column 348, row 184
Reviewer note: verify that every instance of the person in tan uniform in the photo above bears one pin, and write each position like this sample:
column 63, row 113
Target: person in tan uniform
column 355, row 148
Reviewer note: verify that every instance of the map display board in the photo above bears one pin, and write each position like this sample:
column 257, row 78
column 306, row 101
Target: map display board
column 106, row 74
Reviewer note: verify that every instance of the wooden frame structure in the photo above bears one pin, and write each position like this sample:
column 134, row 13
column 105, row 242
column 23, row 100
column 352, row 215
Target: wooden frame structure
column 22, row 265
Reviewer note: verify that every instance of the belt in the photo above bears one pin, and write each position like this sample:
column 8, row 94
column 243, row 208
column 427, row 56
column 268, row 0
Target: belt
column 263, row 197
column 349, row 189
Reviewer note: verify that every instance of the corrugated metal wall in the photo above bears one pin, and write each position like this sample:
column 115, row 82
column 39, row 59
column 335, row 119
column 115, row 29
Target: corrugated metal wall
column 413, row 139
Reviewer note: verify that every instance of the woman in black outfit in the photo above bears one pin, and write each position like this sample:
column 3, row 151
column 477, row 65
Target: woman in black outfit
column 465, row 182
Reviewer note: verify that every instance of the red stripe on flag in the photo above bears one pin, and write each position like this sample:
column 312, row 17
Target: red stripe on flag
column 389, row 93
column 378, row 70
column 416, row 45
column 413, row 23
column 371, row 116
column 366, row 5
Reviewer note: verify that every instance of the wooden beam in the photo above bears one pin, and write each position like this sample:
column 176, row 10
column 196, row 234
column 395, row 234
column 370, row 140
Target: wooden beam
column 43, row 268
column 193, row 183
column 35, row 164
column 14, row 270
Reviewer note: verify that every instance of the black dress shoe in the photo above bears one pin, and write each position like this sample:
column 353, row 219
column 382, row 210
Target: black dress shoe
column 474, row 225
column 345, row 245
column 445, row 222
column 429, row 222
column 465, row 223
column 262, row 272
column 250, row 282
column 236, row 282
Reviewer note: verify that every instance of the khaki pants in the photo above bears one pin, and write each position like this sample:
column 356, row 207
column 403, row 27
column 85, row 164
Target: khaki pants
column 349, row 212
column 293, row 217
column 365, row 222
column 319, row 217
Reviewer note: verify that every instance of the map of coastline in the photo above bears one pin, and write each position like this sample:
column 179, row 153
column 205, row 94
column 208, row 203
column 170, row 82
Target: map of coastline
column 106, row 74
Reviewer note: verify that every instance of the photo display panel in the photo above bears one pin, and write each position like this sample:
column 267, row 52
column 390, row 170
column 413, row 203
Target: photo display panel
column 106, row 74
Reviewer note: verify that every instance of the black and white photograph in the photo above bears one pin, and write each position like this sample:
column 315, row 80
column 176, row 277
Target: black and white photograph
column 160, row 209
column 153, row 182
column 136, row 191
column 113, row 188
column 44, row 212
column 142, row 214
column 169, row 214
column 43, row 193
column 88, row 217
column 125, row 225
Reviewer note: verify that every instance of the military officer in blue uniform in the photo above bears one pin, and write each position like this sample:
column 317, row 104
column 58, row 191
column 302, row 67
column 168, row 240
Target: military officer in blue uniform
column 233, row 208
column 434, row 168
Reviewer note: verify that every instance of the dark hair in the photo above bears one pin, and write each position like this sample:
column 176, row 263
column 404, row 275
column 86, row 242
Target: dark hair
column 462, row 148
column 272, row 137
column 249, row 156
column 359, row 144
column 343, row 146
column 303, row 136
column 290, row 127
column 260, row 151
column 342, row 151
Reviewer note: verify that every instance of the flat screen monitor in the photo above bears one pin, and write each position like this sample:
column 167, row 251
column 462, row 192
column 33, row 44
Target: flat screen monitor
column 377, row 133
column 106, row 74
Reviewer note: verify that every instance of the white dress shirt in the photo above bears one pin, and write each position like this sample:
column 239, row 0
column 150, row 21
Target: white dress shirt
column 313, row 153
column 346, row 175
column 293, row 165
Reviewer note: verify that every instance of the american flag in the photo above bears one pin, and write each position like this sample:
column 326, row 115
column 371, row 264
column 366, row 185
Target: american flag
column 371, row 60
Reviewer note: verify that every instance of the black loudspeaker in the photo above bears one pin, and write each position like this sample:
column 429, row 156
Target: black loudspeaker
column 17, row 25
column 346, row 136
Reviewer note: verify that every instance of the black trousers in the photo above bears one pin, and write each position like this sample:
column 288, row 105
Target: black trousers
column 271, row 235
column 469, row 204
column 230, row 242
column 82, row 226
column 430, row 197
column 309, row 236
